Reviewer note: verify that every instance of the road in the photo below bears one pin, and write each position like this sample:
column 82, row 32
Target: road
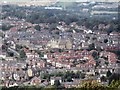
column 14, row 51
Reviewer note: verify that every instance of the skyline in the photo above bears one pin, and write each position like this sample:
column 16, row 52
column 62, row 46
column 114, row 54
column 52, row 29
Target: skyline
column 61, row 0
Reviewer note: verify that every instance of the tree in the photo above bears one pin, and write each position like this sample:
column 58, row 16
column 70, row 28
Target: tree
column 57, row 83
column 4, row 48
column 18, row 47
column 82, row 75
column 77, row 75
column 91, row 46
column 41, row 54
column 52, row 26
column 11, row 54
column 105, row 40
column 115, row 84
column 59, row 74
column 2, row 34
column 22, row 54
column 69, row 79
column 6, row 27
column 95, row 55
column 60, row 50
column 109, row 73
column 45, row 76
column 93, row 86
column 114, row 76
column 70, row 30
column 103, row 79
column 37, row 27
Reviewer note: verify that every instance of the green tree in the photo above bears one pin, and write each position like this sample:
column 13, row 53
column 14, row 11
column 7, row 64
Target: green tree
column 103, row 79
column 105, row 40
column 109, row 73
column 52, row 26
column 11, row 54
column 114, row 76
column 37, row 27
column 22, row 54
column 6, row 27
column 60, row 50
column 93, row 86
column 91, row 46
column 69, row 79
column 82, row 75
column 115, row 84
column 95, row 55
column 57, row 83
column 18, row 47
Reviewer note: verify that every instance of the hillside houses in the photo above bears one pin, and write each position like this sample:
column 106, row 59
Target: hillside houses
column 71, row 53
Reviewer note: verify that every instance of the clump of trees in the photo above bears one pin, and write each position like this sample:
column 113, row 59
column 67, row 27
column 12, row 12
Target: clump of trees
column 6, row 27
column 66, row 76
column 115, row 85
column 38, row 15
column 92, row 86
